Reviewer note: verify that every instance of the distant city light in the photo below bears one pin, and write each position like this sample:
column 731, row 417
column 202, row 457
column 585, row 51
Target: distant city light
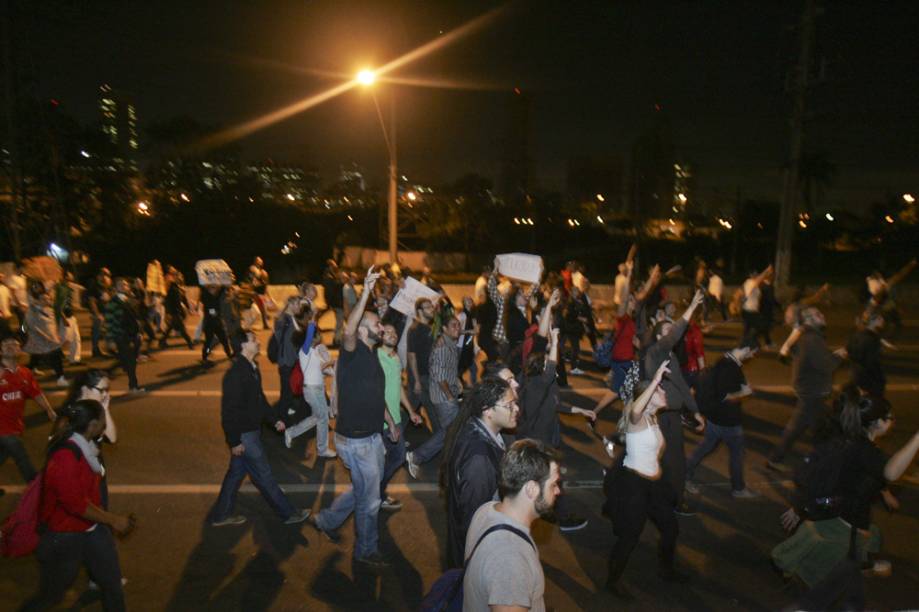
column 908, row 198
column 600, row 198
column 681, row 197
column 830, row 217
column 143, row 209
column 291, row 197
column 350, row 218
column 366, row 77
column 516, row 221
column 889, row 219
column 57, row 252
column 411, row 195
column 802, row 224
column 184, row 197
column 86, row 155
column 600, row 219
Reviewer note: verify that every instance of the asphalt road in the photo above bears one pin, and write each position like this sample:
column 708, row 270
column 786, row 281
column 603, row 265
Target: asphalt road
column 170, row 459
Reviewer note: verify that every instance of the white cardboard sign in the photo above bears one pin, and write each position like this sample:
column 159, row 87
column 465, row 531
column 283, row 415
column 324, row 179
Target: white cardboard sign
column 520, row 266
column 404, row 300
column 214, row 272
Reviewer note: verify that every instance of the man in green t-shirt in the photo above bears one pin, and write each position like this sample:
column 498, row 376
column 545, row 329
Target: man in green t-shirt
column 395, row 395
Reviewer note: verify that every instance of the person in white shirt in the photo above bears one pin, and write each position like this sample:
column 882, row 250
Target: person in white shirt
column 752, row 295
column 716, row 293
column 6, row 306
column 19, row 288
column 316, row 363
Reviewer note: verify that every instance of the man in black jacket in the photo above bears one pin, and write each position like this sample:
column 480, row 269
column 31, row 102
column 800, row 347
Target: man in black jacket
column 472, row 452
column 243, row 409
column 864, row 351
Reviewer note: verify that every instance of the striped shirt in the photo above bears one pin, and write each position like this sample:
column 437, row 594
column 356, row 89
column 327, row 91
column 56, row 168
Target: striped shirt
column 444, row 367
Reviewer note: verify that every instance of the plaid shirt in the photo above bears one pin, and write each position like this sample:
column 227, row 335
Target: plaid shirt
column 444, row 367
column 499, row 333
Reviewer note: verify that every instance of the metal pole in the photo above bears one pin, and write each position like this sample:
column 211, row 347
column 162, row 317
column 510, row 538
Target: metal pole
column 393, row 184
column 789, row 197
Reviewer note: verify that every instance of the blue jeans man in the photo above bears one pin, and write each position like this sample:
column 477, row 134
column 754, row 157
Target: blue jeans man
column 364, row 458
column 714, row 435
column 254, row 463
column 444, row 413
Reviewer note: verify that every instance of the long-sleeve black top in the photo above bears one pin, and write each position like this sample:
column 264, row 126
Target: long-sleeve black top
column 243, row 406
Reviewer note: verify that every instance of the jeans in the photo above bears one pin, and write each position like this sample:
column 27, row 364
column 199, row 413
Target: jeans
column 60, row 555
column 714, row 435
column 808, row 412
column 11, row 446
column 395, row 457
column 254, row 463
column 286, row 402
column 213, row 328
column 444, row 413
column 315, row 397
column 364, row 458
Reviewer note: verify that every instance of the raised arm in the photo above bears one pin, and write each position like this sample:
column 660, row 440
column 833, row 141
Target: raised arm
column 813, row 300
column 624, row 298
column 636, row 409
column 903, row 273
column 545, row 319
column 653, row 279
column 349, row 335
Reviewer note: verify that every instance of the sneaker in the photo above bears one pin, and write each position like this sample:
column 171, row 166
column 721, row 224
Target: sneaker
column 692, row 488
column 136, row 391
column 331, row 536
column 291, row 411
column 230, row 520
column 298, row 517
column 287, row 438
column 143, row 358
column 684, row 510
column 576, row 372
column 671, row 575
column 328, row 454
column 571, row 522
column 411, row 465
column 374, row 561
column 390, row 504
column 62, row 382
column 745, row 493
column 92, row 586
column 777, row 466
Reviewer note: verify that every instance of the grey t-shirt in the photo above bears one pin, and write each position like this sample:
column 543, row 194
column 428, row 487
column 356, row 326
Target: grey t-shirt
column 505, row 570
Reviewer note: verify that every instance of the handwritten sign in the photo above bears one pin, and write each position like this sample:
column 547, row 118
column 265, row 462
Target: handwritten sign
column 520, row 266
column 214, row 272
column 404, row 301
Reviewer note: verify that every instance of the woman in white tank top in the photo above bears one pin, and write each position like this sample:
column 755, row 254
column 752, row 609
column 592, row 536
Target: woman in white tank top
column 640, row 492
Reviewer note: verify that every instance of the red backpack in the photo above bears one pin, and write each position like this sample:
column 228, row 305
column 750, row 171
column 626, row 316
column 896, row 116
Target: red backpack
column 19, row 533
column 296, row 381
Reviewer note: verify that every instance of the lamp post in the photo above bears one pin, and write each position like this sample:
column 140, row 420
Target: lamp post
column 367, row 78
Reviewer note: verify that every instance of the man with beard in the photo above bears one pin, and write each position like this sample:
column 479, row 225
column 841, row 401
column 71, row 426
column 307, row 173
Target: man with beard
column 420, row 343
column 361, row 388
column 503, row 569
column 396, row 397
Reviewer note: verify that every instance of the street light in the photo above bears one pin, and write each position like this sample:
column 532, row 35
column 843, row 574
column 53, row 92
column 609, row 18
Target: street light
column 908, row 198
column 367, row 78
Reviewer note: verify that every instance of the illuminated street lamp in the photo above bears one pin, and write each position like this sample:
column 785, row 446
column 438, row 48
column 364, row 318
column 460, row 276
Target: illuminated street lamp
column 908, row 198
column 143, row 209
column 367, row 78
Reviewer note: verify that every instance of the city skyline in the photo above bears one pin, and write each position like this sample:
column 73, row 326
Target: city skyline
column 595, row 76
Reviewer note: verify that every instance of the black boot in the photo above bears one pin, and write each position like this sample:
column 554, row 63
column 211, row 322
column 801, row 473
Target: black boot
column 614, row 580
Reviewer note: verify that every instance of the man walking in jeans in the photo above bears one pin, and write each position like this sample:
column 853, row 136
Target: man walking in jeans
column 243, row 409
column 361, row 409
column 445, row 389
column 719, row 393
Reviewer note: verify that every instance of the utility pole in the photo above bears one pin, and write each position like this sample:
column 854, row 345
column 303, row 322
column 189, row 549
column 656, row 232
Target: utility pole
column 790, row 195
column 393, row 184
column 15, row 177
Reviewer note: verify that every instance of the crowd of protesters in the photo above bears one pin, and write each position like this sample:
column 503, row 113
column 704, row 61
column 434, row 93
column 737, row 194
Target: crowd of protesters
column 485, row 375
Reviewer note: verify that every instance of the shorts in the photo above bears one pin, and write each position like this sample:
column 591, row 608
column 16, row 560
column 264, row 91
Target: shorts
column 616, row 377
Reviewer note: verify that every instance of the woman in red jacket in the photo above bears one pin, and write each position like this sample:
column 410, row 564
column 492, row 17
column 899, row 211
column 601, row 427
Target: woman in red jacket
column 77, row 531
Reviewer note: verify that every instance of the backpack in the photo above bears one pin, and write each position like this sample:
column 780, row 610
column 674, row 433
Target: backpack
column 274, row 344
column 296, row 381
column 20, row 532
column 817, row 481
column 446, row 594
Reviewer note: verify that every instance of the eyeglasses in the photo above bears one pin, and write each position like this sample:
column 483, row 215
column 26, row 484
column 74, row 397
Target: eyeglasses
column 101, row 389
column 509, row 405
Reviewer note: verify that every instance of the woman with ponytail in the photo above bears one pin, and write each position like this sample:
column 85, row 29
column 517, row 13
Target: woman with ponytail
column 77, row 530
column 844, row 476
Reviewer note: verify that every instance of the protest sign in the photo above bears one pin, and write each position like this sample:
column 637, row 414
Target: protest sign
column 214, row 272
column 404, row 301
column 520, row 266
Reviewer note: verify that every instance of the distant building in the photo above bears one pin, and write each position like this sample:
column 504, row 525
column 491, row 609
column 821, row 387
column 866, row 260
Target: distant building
column 286, row 182
column 119, row 123
column 596, row 180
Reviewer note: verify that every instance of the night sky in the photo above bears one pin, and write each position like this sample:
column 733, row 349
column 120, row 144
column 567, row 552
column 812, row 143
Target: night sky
column 594, row 70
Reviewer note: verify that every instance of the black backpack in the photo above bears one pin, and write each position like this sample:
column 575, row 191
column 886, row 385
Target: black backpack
column 817, row 481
